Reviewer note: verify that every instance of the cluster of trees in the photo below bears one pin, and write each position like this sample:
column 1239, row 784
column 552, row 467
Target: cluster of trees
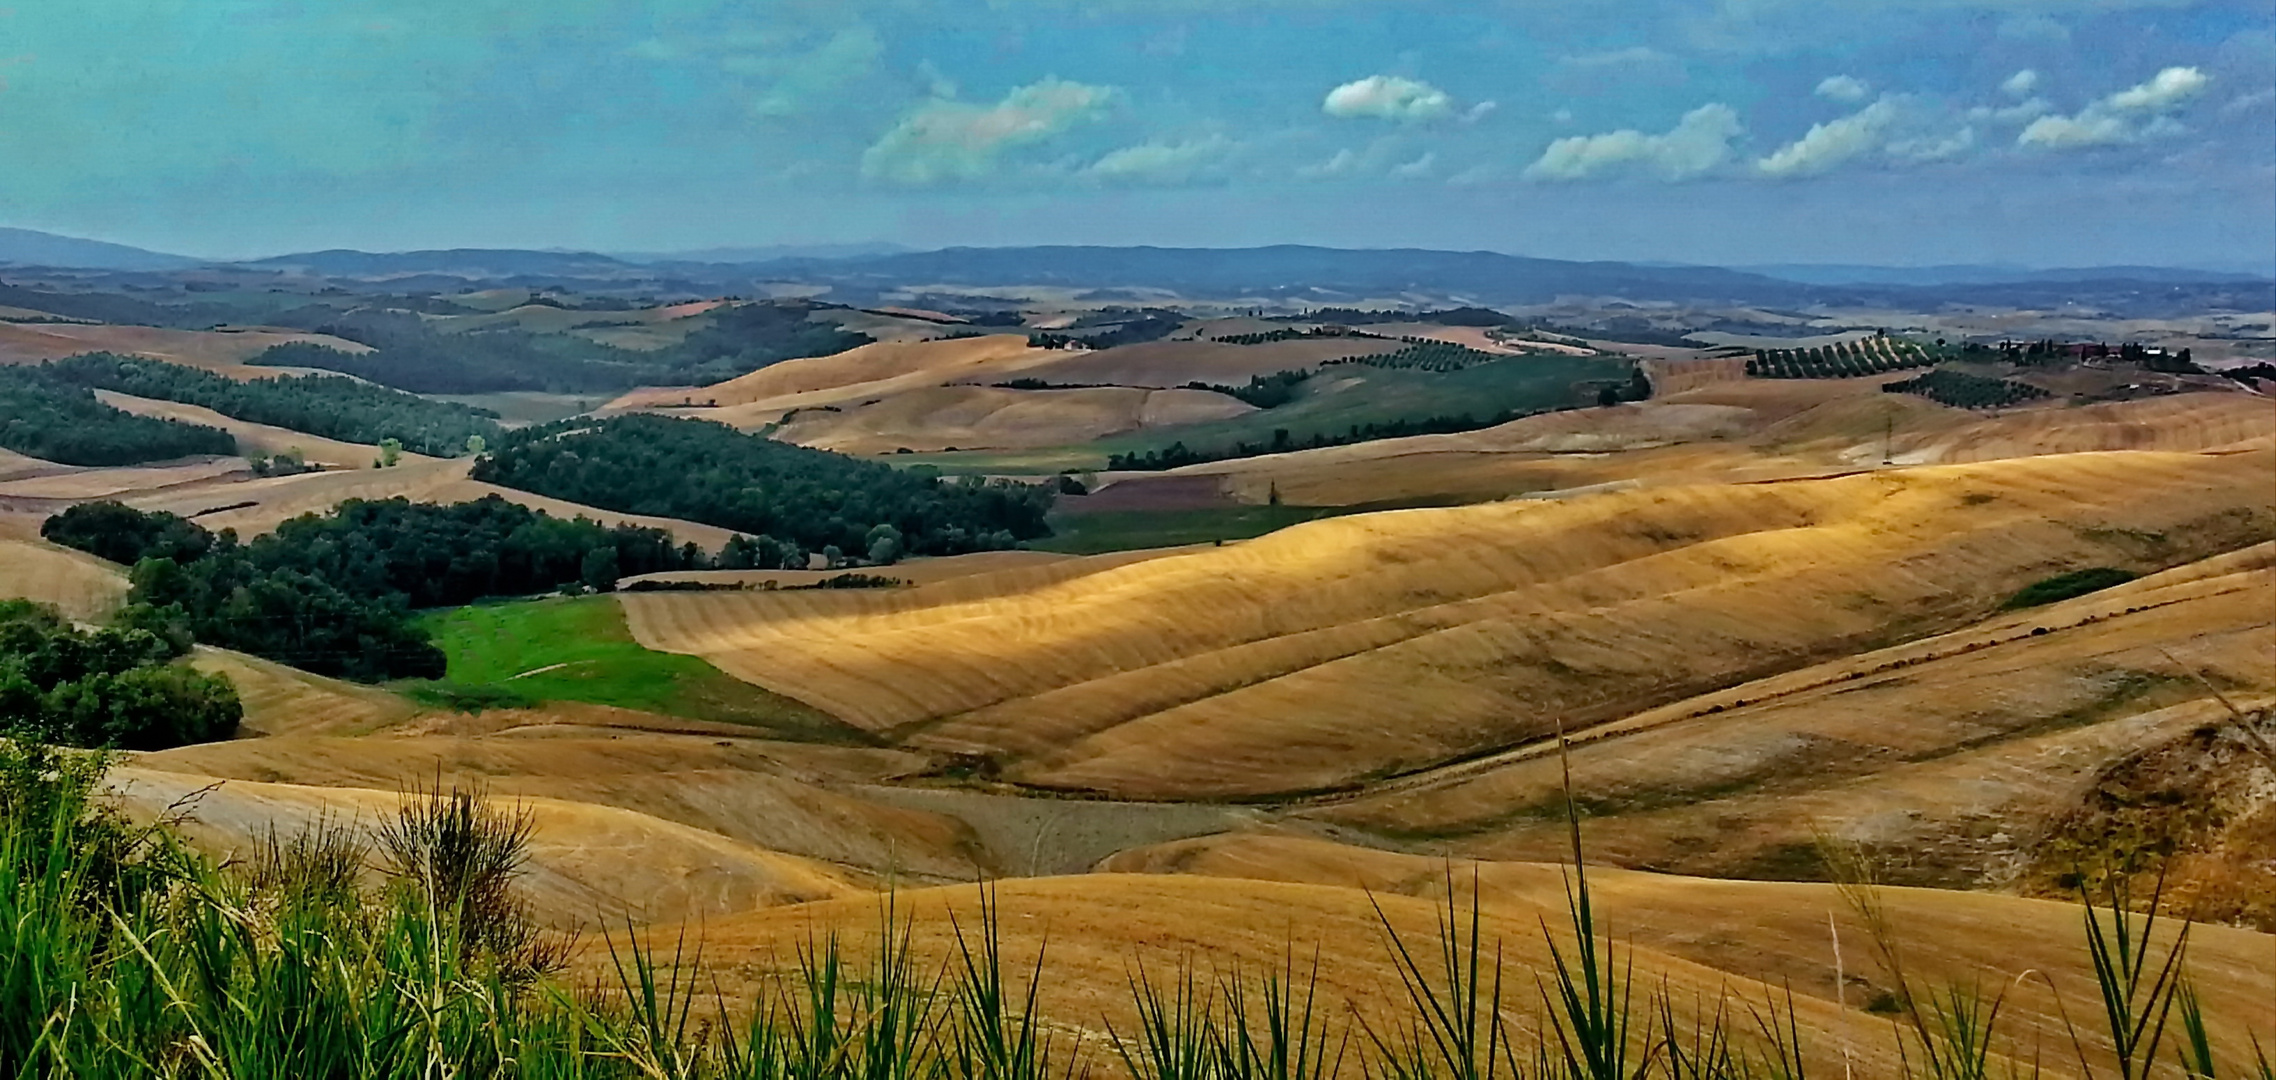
column 1637, row 388
column 1847, row 359
column 110, row 687
column 1964, row 391
column 1292, row 334
column 53, row 420
column 1150, row 326
column 771, row 491
column 1263, row 391
column 334, row 593
column 1178, row 453
column 743, row 338
column 1030, row 383
column 330, row 406
column 1423, row 354
column 411, row 354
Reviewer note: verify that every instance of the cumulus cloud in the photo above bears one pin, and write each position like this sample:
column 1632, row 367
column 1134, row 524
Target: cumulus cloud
column 1697, row 144
column 2021, row 83
column 2165, row 90
column 1843, row 88
column 2122, row 117
column 1159, row 162
column 944, row 140
column 1831, row 143
column 2020, row 112
column 1388, row 97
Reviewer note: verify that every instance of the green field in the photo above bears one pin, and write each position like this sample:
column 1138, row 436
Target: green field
column 557, row 649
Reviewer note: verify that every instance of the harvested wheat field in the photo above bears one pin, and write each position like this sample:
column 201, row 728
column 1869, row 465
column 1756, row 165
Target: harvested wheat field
column 222, row 352
column 1702, row 941
column 588, row 865
column 67, row 483
column 1176, row 363
column 1349, row 649
column 279, row 700
column 255, row 506
column 257, row 438
column 82, row 586
column 870, row 370
column 1749, row 430
column 992, row 418
column 1953, row 754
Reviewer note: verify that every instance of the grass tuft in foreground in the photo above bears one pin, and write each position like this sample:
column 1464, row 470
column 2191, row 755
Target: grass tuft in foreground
column 124, row 954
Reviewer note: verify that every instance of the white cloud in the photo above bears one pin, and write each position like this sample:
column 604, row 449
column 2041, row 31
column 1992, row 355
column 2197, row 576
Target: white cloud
column 1831, row 143
column 944, row 140
column 1843, row 88
column 2116, row 118
column 2021, row 83
column 1160, row 163
column 1417, row 169
column 1480, row 111
column 1697, row 144
column 2165, row 90
column 1388, row 97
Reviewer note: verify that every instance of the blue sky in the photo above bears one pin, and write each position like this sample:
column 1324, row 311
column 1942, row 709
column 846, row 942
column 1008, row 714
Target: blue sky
column 2049, row 132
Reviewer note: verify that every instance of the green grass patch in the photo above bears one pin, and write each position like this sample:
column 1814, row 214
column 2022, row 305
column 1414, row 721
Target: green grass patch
column 558, row 649
column 2067, row 585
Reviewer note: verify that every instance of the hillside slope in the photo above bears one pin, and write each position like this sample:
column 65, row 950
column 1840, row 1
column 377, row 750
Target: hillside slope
column 1360, row 647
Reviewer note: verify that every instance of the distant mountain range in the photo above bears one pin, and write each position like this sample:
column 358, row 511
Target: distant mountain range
column 1972, row 274
column 24, row 247
column 1287, row 274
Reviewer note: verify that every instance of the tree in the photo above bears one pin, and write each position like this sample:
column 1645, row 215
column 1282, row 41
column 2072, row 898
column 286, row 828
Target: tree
column 390, row 452
column 1608, row 396
column 475, row 444
column 832, row 557
column 884, row 545
column 599, row 571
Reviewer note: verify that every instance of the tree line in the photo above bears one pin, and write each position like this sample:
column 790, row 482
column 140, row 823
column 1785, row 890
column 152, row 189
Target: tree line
column 108, row 687
column 47, row 418
column 1964, row 391
column 704, row 471
column 1263, row 391
column 330, row 406
column 334, row 593
column 1179, row 454
column 1840, row 360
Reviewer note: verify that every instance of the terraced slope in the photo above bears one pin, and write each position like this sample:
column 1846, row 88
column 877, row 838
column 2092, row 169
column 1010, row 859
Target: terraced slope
column 1362, row 647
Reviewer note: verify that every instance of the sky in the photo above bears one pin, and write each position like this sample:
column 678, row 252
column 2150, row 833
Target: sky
column 1897, row 132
